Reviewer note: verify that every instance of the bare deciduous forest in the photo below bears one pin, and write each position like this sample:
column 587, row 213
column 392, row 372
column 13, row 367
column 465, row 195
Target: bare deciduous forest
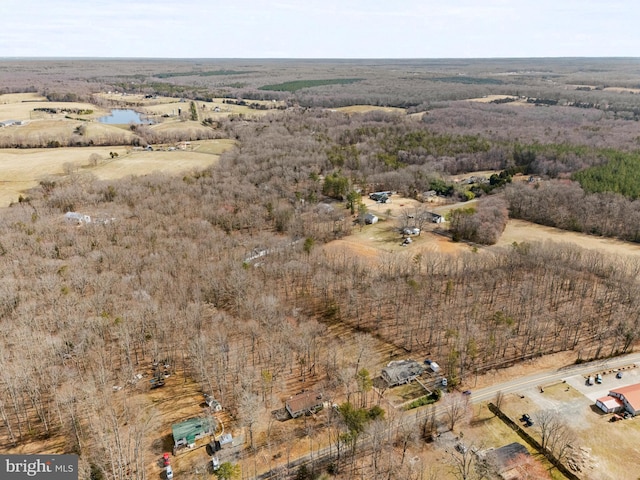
column 222, row 274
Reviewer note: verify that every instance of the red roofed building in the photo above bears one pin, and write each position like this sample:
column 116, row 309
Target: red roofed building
column 610, row 404
column 629, row 396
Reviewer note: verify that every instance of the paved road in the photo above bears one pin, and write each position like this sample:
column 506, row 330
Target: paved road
column 550, row 376
column 488, row 394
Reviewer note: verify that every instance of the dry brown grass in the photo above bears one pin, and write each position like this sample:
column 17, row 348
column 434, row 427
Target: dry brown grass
column 170, row 105
column 23, row 169
column 522, row 231
column 369, row 108
column 490, row 98
column 21, row 107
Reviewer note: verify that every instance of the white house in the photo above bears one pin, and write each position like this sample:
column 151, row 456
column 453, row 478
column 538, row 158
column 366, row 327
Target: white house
column 76, row 218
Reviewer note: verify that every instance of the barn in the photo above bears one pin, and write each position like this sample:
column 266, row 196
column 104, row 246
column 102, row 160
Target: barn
column 610, row 404
column 629, row 396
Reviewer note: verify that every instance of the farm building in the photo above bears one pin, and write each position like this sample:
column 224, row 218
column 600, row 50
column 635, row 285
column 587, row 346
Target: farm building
column 629, row 396
column 402, row 371
column 186, row 433
column 303, row 403
column 609, row 404
column 370, row 219
column 76, row 218
column 7, row 123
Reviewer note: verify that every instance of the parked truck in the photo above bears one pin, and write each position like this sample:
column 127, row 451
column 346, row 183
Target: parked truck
column 590, row 380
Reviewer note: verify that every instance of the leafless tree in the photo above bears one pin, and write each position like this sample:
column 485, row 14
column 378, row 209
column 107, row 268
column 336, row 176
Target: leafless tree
column 555, row 434
column 456, row 408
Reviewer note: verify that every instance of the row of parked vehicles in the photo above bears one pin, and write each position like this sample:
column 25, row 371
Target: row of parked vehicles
column 598, row 378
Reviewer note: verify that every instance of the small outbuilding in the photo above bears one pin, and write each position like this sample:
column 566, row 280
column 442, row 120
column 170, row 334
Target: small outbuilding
column 370, row 219
column 225, row 438
column 212, row 403
column 435, row 218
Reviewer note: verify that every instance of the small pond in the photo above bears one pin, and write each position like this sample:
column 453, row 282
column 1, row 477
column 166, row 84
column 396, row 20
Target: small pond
column 120, row 117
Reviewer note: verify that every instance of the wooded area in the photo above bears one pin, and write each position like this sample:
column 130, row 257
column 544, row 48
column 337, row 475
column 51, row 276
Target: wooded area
column 222, row 272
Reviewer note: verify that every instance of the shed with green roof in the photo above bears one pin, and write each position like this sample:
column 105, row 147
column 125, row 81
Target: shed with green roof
column 186, row 433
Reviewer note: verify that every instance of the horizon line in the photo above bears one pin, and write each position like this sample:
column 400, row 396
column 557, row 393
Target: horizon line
column 32, row 58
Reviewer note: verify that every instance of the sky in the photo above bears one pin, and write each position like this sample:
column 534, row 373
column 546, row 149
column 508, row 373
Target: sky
column 319, row 28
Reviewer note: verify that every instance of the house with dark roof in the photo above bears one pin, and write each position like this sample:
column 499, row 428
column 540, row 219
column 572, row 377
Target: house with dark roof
column 304, row 403
column 401, row 371
column 507, row 459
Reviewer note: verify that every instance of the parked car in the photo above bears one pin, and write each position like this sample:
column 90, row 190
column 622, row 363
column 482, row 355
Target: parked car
column 527, row 420
column 598, row 378
column 467, row 392
column 169, row 472
column 619, row 375
column 590, row 380
column 444, row 382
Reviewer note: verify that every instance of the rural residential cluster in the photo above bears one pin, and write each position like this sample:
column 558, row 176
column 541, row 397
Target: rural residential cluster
column 278, row 269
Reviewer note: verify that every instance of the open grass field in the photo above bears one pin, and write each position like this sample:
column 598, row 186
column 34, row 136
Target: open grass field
column 491, row 98
column 522, row 231
column 370, row 108
column 21, row 106
column 170, row 106
column 23, row 169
